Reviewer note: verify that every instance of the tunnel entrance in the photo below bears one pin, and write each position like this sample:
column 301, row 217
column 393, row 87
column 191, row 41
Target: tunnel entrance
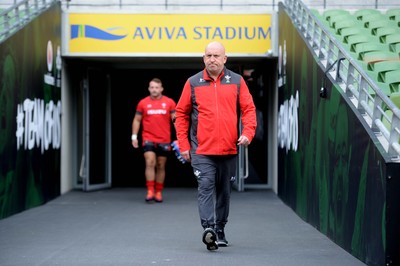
column 127, row 81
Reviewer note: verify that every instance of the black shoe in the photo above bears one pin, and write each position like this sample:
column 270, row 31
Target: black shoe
column 210, row 238
column 221, row 240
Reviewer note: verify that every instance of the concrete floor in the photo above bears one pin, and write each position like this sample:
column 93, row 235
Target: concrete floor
column 117, row 227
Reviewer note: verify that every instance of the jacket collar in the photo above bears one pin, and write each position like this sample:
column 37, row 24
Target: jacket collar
column 206, row 76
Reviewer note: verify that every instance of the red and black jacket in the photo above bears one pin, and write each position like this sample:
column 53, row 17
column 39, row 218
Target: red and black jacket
column 210, row 107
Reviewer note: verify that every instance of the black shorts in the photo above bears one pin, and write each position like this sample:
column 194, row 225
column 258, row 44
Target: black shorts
column 161, row 149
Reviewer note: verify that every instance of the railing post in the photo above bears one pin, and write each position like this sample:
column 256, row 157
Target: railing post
column 36, row 6
column 27, row 11
column 6, row 24
column 394, row 135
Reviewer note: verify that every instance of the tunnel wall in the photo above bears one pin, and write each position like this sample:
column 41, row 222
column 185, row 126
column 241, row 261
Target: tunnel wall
column 30, row 110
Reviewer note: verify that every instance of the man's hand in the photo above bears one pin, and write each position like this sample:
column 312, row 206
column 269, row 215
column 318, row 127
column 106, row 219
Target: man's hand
column 243, row 140
column 135, row 143
column 181, row 157
column 186, row 156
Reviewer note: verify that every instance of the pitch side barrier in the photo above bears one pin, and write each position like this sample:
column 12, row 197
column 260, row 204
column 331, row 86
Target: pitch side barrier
column 370, row 101
column 31, row 111
column 338, row 136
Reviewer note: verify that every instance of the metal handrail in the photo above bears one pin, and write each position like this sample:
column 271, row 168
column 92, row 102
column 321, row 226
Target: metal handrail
column 366, row 96
column 171, row 4
column 221, row 5
column 16, row 16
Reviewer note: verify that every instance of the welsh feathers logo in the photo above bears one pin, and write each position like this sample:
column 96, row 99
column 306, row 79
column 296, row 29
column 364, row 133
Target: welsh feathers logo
column 87, row 31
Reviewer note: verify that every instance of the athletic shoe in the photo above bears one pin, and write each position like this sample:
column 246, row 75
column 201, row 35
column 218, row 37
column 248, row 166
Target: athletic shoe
column 221, row 240
column 210, row 238
column 158, row 197
column 150, row 195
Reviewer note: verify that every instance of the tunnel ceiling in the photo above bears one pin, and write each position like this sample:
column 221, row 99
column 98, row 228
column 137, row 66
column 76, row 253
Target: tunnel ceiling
column 160, row 62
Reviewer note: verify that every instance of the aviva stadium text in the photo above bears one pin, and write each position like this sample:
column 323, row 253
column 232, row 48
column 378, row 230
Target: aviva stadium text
column 197, row 33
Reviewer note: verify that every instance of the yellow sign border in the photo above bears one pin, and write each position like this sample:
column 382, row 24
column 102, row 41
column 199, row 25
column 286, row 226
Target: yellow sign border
column 119, row 34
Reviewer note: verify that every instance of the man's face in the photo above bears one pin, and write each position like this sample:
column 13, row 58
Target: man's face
column 214, row 60
column 155, row 89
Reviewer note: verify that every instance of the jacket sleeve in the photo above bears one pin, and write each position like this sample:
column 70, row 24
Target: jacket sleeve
column 248, row 110
column 182, row 121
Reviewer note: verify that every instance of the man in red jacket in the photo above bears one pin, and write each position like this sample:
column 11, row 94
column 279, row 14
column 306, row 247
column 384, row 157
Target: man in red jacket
column 207, row 118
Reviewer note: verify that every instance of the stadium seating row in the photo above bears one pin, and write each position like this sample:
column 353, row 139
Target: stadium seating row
column 372, row 37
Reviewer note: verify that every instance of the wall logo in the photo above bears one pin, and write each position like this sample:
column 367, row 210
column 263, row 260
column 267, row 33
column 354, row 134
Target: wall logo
column 49, row 77
column 282, row 65
column 39, row 122
column 197, row 173
column 87, row 31
column 288, row 123
column 49, row 56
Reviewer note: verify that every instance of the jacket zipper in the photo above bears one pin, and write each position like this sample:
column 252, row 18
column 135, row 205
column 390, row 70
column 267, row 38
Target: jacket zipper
column 217, row 111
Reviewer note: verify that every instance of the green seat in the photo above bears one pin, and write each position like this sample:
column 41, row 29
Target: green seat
column 357, row 38
column 367, row 19
column 395, row 87
column 390, row 38
column 378, row 71
column 346, row 24
column 392, row 12
column 341, row 19
column 318, row 15
column 361, row 49
column 395, row 19
column 359, row 14
column 383, row 88
column 395, row 97
column 395, row 47
column 377, row 23
column 392, row 80
column 378, row 56
column 384, row 66
column 328, row 14
column 344, row 33
column 382, row 75
column 352, row 40
column 383, row 32
column 371, row 58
